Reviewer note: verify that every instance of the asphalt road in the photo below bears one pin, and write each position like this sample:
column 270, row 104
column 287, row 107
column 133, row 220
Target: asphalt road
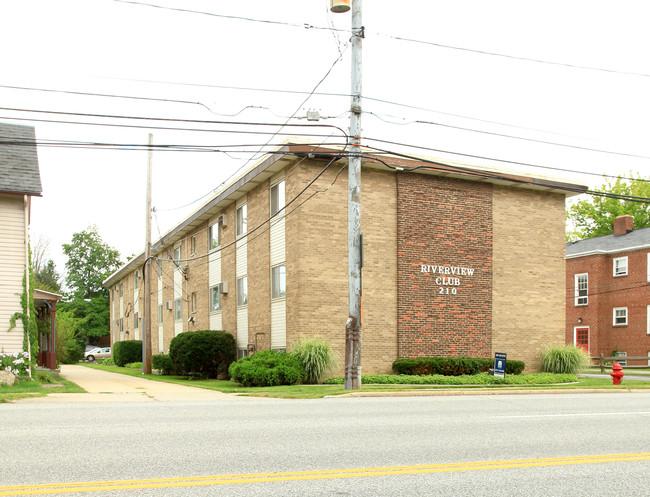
column 483, row 445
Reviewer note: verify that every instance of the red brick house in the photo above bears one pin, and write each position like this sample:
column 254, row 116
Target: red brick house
column 608, row 292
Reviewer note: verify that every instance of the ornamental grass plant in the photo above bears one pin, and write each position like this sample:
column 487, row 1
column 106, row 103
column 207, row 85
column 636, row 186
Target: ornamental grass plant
column 564, row 359
column 317, row 357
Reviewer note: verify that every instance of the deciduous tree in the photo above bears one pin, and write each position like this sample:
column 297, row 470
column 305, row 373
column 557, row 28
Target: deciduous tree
column 595, row 216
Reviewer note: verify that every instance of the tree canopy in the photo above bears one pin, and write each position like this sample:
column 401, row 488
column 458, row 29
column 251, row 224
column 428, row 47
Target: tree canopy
column 90, row 261
column 46, row 276
column 595, row 216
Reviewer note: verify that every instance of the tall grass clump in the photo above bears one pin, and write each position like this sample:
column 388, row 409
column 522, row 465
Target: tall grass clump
column 317, row 356
column 564, row 359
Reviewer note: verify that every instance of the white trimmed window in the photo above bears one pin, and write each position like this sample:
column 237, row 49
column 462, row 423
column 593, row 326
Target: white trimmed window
column 121, row 290
column 242, row 222
column 215, row 299
column 136, row 321
column 178, row 311
column 279, row 282
column 242, row 291
column 581, row 289
column 160, row 314
column 193, row 245
column 277, row 197
column 177, row 253
column 214, row 238
column 135, row 280
column 159, row 268
column 193, row 301
column 620, row 316
column 620, row 266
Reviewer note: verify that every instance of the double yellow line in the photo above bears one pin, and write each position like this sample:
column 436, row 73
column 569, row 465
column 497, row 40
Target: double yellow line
column 203, row 481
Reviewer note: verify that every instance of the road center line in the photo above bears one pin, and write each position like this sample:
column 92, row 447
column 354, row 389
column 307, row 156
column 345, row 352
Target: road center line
column 571, row 415
column 200, row 481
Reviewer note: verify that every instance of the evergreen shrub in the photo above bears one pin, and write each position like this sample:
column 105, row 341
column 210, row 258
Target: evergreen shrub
column 268, row 368
column 202, row 354
column 163, row 363
column 451, row 366
column 127, row 351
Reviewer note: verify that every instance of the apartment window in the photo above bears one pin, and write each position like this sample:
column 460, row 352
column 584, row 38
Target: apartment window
column 242, row 291
column 581, row 289
column 136, row 321
column 214, row 237
column 135, row 280
column 121, row 324
column 193, row 245
column 277, row 197
column 278, row 282
column 620, row 266
column 121, row 290
column 241, row 220
column 160, row 314
column 178, row 311
column 177, row 253
column 193, row 301
column 215, row 299
column 159, row 268
column 620, row 316
column 241, row 353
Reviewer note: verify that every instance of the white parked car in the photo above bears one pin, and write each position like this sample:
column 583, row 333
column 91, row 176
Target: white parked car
column 97, row 353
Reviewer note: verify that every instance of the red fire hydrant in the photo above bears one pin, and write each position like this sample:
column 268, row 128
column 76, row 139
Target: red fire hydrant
column 617, row 373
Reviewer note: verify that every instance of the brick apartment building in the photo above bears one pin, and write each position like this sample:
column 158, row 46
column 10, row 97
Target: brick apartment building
column 458, row 261
column 608, row 297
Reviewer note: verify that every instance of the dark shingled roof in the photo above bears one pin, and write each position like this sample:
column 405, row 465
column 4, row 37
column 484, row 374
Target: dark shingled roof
column 18, row 162
column 609, row 244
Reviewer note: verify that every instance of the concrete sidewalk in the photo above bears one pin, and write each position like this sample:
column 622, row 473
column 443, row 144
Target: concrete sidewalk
column 102, row 386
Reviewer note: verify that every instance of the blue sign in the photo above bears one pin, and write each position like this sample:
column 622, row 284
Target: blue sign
column 499, row 365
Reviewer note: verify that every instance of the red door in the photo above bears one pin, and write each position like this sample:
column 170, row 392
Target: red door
column 582, row 338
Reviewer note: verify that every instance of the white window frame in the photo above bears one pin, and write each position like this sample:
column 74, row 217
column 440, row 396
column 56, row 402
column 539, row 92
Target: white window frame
column 242, row 291
column 277, row 198
column 279, row 282
column 241, row 216
column 135, row 280
column 215, row 298
column 177, row 253
column 194, row 302
column 178, row 309
column 614, row 316
column 136, row 321
column 617, row 267
column 193, row 245
column 581, row 300
column 214, row 237
column 160, row 314
column 121, row 290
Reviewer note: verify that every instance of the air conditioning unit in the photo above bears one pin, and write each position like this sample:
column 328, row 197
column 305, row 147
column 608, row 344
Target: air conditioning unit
column 223, row 287
column 223, row 220
column 169, row 305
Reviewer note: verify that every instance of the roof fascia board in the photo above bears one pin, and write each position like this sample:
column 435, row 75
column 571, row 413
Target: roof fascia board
column 606, row 252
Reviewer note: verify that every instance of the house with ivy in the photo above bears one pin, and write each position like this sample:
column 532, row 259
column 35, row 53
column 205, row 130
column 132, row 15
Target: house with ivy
column 20, row 181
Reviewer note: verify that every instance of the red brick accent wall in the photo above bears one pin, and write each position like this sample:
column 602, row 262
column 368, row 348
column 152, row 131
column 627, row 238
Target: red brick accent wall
column 444, row 225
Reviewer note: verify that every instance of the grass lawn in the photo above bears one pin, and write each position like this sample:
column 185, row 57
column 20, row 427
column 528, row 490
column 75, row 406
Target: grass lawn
column 319, row 391
column 42, row 384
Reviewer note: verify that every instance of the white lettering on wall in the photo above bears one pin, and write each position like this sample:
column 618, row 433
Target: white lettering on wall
column 447, row 276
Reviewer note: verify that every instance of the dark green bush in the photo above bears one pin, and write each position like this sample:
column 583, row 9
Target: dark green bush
column 451, row 366
column 203, row 354
column 163, row 363
column 268, row 368
column 127, row 351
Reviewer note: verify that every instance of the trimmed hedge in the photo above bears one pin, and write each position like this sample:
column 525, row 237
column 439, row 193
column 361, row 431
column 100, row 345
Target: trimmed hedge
column 268, row 368
column 451, row 366
column 163, row 363
column 126, row 352
column 203, row 354
column 479, row 379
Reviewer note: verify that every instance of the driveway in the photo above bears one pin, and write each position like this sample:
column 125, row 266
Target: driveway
column 102, row 386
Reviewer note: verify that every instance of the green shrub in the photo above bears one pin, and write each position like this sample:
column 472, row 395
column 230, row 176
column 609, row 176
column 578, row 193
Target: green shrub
column 203, row 354
column 127, row 351
column 133, row 365
column 268, row 368
column 106, row 362
column 478, row 379
column 163, row 363
column 452, row 366
column 564, row 359
column 317, row 357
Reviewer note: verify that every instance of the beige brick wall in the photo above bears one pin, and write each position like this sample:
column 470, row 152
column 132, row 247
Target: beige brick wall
column 317, row 271
column 198, row 281
column 229, row 300
column 259, row 273
column 528, row 273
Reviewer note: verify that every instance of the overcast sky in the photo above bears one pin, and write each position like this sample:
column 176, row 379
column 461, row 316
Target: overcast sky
column 440, row 79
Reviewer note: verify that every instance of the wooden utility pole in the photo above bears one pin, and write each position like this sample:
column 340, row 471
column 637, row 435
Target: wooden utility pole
column 146, row 273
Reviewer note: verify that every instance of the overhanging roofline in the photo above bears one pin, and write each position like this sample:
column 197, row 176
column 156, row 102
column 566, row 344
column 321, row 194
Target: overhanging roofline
column 607, row 252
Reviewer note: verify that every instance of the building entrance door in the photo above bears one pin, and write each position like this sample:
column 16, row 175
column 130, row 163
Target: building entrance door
column 582, row 338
